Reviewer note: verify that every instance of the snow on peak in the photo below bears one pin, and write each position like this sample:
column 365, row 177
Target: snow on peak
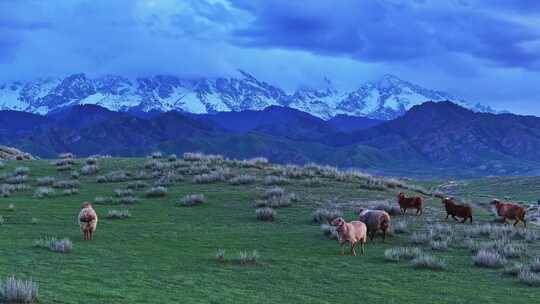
column 385, row 98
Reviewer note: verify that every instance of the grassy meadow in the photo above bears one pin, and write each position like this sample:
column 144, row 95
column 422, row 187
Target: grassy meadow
column 160, row 245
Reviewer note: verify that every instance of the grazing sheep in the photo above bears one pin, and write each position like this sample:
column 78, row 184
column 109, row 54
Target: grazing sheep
column 88, row 221
column 415, row 202
column 375, row 220
column 453, row 209
column 352, row 232
column 510, row 211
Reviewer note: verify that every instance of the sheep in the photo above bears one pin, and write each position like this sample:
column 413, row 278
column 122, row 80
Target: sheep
column 88, row 221
column 453, row 209
column 510, row 211
column 352, row 232
column 375, row 220
column 410, row 202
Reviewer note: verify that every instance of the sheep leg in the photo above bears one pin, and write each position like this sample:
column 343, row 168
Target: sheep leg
column 362, row 243
column 404, row 211
column 464, row 219
column 353, row 245
column 454, row 217
column 515, row 223
column 524, row 223
column 341, row 249
column 447, row 215
column 471, row 219
column 384, row 235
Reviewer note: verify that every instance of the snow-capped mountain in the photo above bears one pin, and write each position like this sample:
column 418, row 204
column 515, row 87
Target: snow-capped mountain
column 386, row 98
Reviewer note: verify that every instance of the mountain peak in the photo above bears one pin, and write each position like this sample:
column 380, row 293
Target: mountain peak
column 387, row 98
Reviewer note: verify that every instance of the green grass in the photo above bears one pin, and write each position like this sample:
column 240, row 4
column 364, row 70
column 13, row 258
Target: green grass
column 167, row 254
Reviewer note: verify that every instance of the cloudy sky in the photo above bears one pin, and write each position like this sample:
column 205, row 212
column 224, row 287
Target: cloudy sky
column 485, row 51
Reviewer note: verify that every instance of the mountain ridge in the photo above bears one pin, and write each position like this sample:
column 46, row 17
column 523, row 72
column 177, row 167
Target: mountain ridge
column 384, row 99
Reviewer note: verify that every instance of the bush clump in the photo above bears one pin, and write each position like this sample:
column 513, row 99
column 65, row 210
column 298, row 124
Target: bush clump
column 401, row 254
column 13, row 290
column 118, row 214
column 158, row 191
column 265, row 214
column 426, row 261
column 488, row 259
column 192, row 200
column 248, row 258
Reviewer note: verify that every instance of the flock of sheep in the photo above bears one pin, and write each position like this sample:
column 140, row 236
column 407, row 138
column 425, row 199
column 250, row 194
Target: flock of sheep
column 371, row 221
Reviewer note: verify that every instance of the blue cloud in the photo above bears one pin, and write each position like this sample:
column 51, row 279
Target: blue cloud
column 383, row 31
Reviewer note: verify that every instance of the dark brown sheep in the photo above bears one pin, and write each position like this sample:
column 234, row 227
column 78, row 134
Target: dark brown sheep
column 510, row 211
column 375, row 220
column 457, row 210
column 414, row 202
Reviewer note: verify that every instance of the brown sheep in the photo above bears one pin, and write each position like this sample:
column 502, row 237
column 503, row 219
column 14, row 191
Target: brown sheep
column 352, row 232
column 88, row 221
column 375, row 220
column 415, row 202
column 453, row 209
column 510, row 211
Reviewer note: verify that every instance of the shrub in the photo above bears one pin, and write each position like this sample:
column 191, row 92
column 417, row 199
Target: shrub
column 123, row 192
column 246, row 258
column 401, row 253
column 91, row 161
column 13, row 290
column 273, row 180
column 439, row 245
column 274, row 192
column 513, row 250
column 5, row 190
column 34, row 220
column 62, row 246
column 189, row 156
column 22, row 171
column 329, row 231
column 136, row 185
column 89, row 169
column 426, row 261
column 11, row 207
column 66, row 184
column 535, row 266
column 101, row 200
column 54, row 244
column 400, row 227
column 64, row 168
column 529, row 278
column 156, row 155
column 16, row 179
column 75, row 174
column 2, row 221
column 66, row 155
column 172, row 158
column 514, row 269
column 326, row 215
column 244, row 179
column 113, row 177
column 192, row 200
column 43, row 192
column 313, row 182
column 419, row 238
column 220, row 255
column 156, row 192
column 118, row 214
column 128, row 200
column 212, row 177
column 265, row 214
column 71, row 191
column 46, row 181
column 488, row 259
